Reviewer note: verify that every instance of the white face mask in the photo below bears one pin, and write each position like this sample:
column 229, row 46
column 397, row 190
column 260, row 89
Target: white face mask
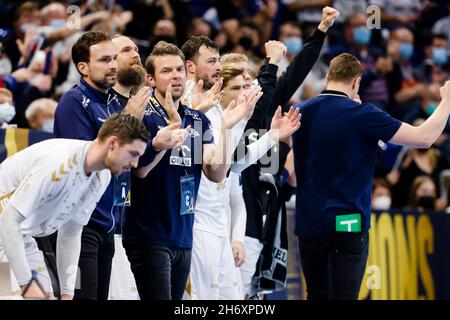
column 5, row 67
column 7, row 112
column 28, row 26
column 47, row 125
column 381, row 203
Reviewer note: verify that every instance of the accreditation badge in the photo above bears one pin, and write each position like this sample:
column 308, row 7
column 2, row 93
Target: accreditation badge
column 122, row 186
column 187, row 197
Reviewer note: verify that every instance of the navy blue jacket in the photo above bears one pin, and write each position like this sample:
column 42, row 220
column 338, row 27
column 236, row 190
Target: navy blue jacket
column 154, row 215
column 80, row 113
column 335, row 153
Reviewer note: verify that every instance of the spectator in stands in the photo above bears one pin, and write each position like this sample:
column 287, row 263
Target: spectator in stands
column 423, row 194
column 442, row 26
column 435, row 67
column 199, row 27
column 402, row 12
column 309, row 12
column 380, row 71
column 291, row 35
column 408, row 90
column 41, row 114
column 165, row 29
column 417, row 162
column 7, row 109
column 381, row 195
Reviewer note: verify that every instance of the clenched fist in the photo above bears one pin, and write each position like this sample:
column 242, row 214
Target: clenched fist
column 329, row 16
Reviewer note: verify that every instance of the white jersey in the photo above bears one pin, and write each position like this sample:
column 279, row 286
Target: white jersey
column 47, row 184
column 212, row 208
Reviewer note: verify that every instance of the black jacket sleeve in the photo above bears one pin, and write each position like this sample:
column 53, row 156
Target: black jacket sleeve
column 296, row 72
column 267, row 78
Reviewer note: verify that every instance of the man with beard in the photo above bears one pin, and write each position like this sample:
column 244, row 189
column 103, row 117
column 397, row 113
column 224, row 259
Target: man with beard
column 130, row 76
column 79, row 115
column 131, row 73
column 55, row 184
column 203, row 73
column 157, row 231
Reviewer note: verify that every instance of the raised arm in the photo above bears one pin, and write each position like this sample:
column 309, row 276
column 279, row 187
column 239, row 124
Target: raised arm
column 281, row 128
column 303, row 62
column 217, row 158
column 426, row 134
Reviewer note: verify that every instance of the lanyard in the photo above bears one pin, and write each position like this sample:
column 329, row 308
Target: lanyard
column 158, row 109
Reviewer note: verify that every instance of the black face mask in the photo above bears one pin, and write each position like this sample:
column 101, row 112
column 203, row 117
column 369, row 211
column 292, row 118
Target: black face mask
column 422, row 150
column 246, row 43
column 426, row 202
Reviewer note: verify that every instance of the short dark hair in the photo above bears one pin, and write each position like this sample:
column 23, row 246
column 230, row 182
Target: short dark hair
column 162, row 48
column 192, row 46
column 125, row 127
column 81, row 48
column 344, row 68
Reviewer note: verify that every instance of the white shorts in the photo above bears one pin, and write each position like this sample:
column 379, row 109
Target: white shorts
column 253, row 248
column 122, row 285
column 36, row 261
column 213, row 274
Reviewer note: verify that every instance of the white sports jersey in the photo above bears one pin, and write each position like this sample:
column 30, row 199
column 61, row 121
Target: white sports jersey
column 47, row 184
column 213, row 199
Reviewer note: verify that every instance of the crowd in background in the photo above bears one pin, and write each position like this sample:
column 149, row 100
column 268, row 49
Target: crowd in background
column 406, row 61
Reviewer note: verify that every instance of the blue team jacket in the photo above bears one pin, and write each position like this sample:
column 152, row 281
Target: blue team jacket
column 80, row 113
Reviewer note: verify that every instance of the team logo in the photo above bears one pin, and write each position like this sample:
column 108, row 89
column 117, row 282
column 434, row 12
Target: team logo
column 193, row 115
column 85, row 101
column 185, row 159
column 148, row 111
column 112, row 97
column 193, row 133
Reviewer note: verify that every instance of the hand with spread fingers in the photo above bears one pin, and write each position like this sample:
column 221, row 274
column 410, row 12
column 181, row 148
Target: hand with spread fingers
column 203, row 101
column 136, row 105
column 284, row 126
column 242, row 108
column 170, row 108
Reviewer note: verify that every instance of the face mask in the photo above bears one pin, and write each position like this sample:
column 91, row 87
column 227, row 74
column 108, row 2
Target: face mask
column 426, row 202
column 439, row 55
column 381, row 203
column 361, row 35
column 406, row 50
column 5, row 67
column 57, row 23
column 28, row 26
column 7, row 112
column 431, row 107
column 293, row 44
column 246, row 42
column 47, row 125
